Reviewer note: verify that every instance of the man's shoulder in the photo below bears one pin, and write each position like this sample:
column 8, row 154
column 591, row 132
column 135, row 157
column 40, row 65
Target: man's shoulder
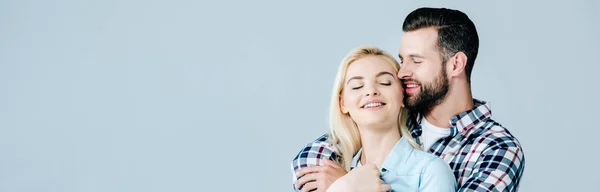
column 494, row 136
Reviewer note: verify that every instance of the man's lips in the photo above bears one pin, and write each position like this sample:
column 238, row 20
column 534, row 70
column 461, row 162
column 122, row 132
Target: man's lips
column 411, row 86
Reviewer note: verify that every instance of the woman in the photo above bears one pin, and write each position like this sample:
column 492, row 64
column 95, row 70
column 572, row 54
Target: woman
column 368, row 128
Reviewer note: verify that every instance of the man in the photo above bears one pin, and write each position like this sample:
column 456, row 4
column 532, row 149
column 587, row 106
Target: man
column 438, row 52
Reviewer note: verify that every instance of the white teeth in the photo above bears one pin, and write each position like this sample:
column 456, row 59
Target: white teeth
column 411, row 85
column 371, row 105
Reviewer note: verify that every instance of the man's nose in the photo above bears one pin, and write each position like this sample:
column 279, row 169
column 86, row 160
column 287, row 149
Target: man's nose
column 405, row 72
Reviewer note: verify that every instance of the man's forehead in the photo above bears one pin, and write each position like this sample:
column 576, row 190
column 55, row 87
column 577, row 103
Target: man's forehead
column 418, row 42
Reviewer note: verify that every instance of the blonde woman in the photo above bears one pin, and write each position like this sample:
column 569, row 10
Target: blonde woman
column 368, row 132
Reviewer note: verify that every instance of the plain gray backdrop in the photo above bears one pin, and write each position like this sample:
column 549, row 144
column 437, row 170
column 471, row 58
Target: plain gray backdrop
column 183, row 95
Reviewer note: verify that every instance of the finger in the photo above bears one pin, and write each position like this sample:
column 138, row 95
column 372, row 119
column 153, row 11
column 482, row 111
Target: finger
column 307, row 178
column 307, row 170
column 309, row 187
column 321, row 187
column 331, row 164
column 385, row 188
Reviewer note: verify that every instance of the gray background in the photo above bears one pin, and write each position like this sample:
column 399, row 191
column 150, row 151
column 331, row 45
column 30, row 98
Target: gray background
column 183, row 95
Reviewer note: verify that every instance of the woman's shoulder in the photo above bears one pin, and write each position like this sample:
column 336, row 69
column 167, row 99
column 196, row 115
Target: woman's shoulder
column 422, row 156
column 421, row 171
column 435, row 173
column 410, row 161
column 437, row 176
column 428, row 161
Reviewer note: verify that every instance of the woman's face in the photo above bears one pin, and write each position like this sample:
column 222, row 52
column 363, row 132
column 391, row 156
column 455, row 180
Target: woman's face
column 372, row 93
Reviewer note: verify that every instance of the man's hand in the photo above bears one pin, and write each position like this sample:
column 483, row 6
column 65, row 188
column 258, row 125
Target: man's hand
column 363, row 178
column 319, row 178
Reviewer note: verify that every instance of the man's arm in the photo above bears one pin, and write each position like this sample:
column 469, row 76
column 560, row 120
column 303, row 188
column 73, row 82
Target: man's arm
column 499, row 169
column 311, row 155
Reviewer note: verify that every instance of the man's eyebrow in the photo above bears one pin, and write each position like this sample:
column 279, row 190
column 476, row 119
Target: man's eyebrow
column 414, row 55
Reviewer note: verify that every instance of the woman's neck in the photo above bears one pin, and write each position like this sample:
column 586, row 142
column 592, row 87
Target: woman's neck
column 377, row 144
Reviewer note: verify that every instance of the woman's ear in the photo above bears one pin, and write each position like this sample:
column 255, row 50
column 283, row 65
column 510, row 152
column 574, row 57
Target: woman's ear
column 342, row 106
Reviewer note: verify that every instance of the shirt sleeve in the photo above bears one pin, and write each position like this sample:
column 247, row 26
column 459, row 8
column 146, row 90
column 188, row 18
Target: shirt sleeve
column 438, row 177
column 499, row 169
column 310, row 155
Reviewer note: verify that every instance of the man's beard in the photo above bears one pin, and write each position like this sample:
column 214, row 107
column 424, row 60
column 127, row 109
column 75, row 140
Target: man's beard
column 430, row 95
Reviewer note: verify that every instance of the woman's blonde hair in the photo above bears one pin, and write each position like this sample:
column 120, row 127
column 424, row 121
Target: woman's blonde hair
column 343, row 131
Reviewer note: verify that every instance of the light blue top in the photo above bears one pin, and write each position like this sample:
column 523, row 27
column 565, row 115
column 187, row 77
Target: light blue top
column 407, row 169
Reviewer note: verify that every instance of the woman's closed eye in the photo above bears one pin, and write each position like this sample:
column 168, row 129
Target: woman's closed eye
column 357, row 87
column 361, row 86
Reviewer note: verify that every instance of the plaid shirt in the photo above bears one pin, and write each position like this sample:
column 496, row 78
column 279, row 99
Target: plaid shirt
column 483, row 155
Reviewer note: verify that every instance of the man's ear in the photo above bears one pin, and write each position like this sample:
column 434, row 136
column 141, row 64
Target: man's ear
column 458, row 62
column 342, row 105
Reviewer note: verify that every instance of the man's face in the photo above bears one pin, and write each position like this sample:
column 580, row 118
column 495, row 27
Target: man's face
column 423, row 74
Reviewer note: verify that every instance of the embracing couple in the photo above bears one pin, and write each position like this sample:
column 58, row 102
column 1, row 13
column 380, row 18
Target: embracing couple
column 413, row 125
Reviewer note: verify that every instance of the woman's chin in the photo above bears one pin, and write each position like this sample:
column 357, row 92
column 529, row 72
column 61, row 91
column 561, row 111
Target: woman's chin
column 377, row 124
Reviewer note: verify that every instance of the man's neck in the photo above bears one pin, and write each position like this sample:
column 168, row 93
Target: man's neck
column 377, row 144
column 457, row 101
